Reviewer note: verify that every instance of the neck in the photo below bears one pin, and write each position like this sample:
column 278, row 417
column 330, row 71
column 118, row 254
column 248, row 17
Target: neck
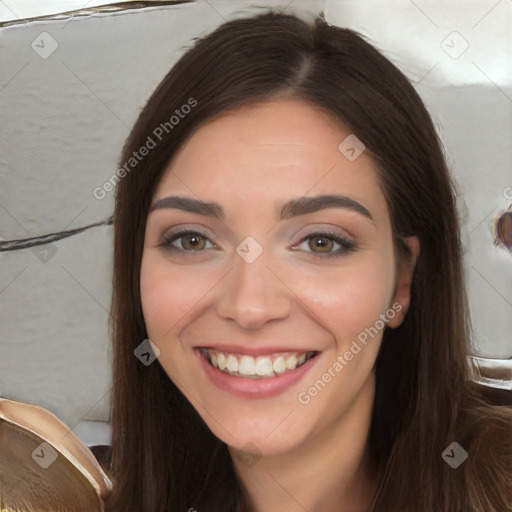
column 331, row 471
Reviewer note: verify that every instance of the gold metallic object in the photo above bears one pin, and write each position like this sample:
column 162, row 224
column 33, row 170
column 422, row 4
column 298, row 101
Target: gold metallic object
column 44, row 466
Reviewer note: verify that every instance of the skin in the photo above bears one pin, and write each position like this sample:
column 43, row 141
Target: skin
column 251, row 161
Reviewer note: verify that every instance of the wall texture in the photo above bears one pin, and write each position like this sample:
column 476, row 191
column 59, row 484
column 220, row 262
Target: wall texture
column 71, row 87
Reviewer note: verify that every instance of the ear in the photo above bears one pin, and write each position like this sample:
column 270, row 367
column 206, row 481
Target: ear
column 405, row 272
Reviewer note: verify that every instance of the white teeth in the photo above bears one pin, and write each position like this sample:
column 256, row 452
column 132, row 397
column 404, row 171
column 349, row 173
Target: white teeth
column 264, row 366
column 232, row 363
column 221, row 361
column 247, row 366
column 259, row 367
column 291, row 362
column 279, row 365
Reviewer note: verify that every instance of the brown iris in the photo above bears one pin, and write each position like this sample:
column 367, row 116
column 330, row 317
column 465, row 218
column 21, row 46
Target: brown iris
column 326, row 245
column 197, row 242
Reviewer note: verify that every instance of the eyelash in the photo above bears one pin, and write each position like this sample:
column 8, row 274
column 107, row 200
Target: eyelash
column 346, row 246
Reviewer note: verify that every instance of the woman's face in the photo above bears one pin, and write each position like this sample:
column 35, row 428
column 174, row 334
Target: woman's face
column 260, row 289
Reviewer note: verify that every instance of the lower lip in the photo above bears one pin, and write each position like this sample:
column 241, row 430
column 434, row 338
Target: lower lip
column 254, row 388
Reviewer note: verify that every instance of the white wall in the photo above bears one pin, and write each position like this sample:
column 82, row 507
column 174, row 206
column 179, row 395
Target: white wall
column 64, row 119
column 458, row 55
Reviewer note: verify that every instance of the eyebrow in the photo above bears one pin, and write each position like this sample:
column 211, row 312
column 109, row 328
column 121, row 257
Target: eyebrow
column 292, row 208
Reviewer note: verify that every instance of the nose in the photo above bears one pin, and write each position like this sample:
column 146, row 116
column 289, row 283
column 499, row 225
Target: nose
column 253, row 294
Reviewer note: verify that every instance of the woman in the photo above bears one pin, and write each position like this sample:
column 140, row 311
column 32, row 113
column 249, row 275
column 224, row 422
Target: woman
column 287, row 239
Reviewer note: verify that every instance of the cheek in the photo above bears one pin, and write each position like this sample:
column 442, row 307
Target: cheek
column 347, row 300
column 160, row 293
column 171, row 293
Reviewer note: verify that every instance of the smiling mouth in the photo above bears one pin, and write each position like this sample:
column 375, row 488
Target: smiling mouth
column 261, row 367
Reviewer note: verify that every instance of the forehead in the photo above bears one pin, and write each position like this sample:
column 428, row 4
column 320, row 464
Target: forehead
column 280, row 148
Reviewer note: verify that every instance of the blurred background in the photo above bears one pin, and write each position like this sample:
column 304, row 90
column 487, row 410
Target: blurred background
column 73, row 78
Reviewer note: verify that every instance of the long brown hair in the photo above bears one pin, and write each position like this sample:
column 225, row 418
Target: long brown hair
column 164, row 458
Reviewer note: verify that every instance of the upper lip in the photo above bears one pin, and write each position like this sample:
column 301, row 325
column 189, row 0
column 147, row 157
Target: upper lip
column 255, row 351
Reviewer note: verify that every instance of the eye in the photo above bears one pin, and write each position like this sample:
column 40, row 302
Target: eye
column 320, row 243
column 191, row 241
column 326, row 242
